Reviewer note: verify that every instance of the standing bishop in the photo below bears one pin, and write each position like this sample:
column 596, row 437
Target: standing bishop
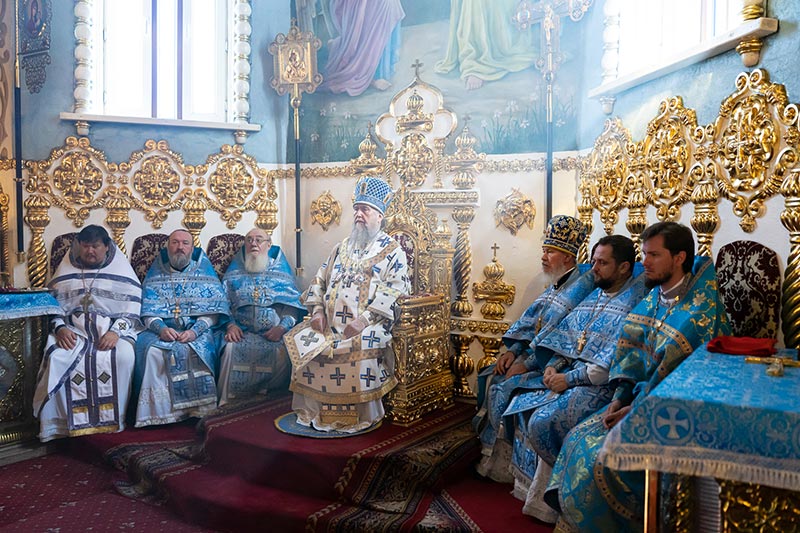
column 342, row 362
column 265, row 304
column 176, row 356
column 85, row 378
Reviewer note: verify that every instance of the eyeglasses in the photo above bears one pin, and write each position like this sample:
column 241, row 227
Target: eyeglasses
column 255, row 240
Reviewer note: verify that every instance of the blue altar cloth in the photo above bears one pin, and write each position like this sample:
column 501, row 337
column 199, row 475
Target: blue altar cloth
column 717, row 416
column 27, row 303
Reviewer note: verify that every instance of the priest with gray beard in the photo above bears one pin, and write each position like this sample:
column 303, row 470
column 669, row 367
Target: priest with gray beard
column 177, row 355
column 265, row 304
column 342, row 363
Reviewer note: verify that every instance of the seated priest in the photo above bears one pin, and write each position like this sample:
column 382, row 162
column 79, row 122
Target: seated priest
column 265, row 304
column 85, row 378
column 517, row 369
column 576, row 356
column 680, row 313
column 176, row 355
column 342, row 362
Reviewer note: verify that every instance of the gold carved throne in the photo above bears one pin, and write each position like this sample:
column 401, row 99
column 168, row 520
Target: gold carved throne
column 421, row 332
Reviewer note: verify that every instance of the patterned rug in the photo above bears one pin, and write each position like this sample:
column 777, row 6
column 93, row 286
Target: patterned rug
column 388, row 479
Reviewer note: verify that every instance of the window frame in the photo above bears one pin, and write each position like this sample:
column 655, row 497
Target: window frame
column 612, row 83
column 236, row 86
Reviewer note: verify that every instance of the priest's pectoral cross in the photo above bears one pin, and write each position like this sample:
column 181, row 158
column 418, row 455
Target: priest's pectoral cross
column 176, row 311
column 776, row 364
column 256, row 293
column 538, row 325
column 86, row 302
column 581, row 344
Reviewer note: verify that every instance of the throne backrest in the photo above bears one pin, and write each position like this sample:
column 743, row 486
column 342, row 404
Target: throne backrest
column 60, row 248
column 144, row 251
column 221, row 249
column 749, row 281
column 413, row 226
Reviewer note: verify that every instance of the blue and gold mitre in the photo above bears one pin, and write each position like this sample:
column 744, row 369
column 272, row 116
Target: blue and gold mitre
column 374, row 192
column 565, row 233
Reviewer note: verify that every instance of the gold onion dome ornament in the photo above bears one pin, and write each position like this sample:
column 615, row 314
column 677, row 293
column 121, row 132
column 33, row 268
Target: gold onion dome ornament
column 494, row 290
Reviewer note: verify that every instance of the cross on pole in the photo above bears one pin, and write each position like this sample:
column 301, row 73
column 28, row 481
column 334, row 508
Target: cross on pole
column 548, row 14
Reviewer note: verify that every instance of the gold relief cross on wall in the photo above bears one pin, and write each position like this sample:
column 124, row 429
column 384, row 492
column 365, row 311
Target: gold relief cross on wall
column 231, row 183
column 78, row 178
column 156, row 181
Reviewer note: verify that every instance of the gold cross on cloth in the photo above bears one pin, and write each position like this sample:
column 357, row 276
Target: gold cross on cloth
column 776, row 364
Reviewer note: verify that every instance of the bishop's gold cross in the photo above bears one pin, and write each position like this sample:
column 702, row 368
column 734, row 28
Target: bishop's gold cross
column 776, row 364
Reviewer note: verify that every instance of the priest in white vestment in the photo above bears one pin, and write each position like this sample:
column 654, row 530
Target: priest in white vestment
column 342, row 361
column 84, row 381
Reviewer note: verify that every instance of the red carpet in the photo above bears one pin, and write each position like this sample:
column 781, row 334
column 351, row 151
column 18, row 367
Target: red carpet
column 59, row 493
column 237, row 472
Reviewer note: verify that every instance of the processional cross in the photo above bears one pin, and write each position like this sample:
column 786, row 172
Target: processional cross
column 548, row 13
column 295, row 71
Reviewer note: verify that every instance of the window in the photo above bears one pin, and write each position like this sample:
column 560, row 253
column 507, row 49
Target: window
column 162, row 59
column 652, row 32
column 185, row 62
column 643, row 40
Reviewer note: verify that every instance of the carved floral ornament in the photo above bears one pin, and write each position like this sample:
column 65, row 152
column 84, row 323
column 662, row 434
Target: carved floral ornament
column 664, row 157
column 326, row 210
column 514, row 211
column 76, row 179
column 414, row 131
column 747, row 152
column 156, row 181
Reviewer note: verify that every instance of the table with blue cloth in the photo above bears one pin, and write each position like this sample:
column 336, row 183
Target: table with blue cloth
column 23, row 332
column 718, row 416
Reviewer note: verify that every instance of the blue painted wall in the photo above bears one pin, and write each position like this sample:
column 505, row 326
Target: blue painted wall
column 43, row 129
column 703, row 87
